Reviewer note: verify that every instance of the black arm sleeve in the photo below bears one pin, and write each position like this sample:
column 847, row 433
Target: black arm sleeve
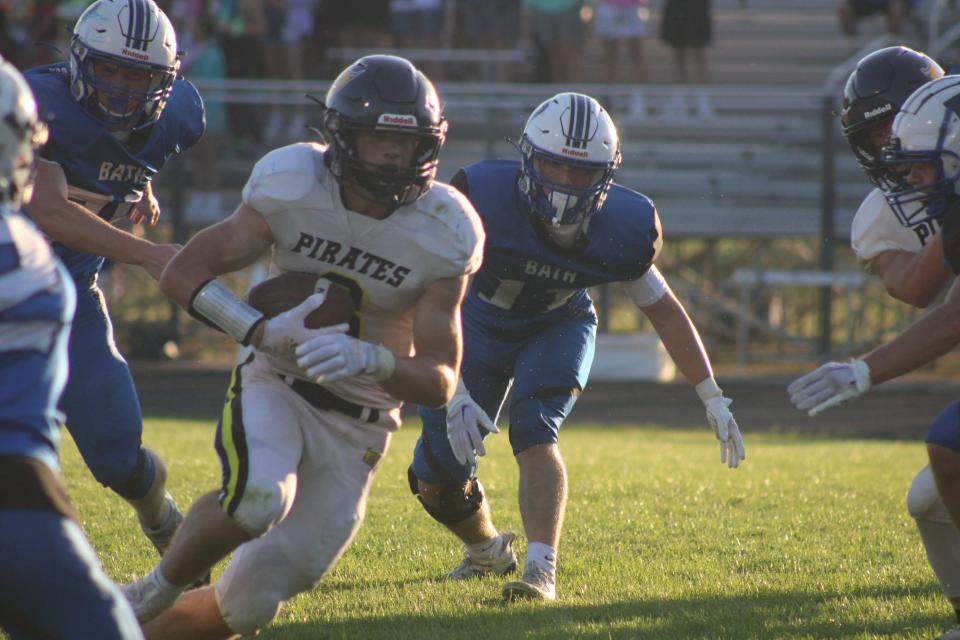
column 459, row 182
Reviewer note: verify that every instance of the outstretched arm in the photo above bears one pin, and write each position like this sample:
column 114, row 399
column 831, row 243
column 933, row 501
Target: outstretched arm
column 682, row 341
column 79, row 228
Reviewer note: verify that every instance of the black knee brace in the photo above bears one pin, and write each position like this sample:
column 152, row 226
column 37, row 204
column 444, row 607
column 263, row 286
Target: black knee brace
column 457, row 502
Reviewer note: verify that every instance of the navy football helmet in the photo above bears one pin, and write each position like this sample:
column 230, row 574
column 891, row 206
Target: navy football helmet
column 872, row 97
column 384, row 93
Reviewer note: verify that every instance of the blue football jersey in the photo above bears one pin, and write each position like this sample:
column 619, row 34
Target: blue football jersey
column 105, row 175
column 37, row 299
column 525, row 276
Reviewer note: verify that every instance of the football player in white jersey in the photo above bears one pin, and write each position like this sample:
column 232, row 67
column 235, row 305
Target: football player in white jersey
column 309, row 415
column 892, row 244
column 923, row 150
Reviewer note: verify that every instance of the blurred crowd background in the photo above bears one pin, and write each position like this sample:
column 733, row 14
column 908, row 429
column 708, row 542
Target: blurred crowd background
column 727, row 110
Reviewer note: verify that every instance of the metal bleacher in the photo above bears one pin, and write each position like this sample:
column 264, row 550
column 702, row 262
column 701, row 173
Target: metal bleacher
column 756, row 154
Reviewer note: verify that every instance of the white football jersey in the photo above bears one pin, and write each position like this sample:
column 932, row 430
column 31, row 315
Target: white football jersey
column 876, row 229
column 387, row 264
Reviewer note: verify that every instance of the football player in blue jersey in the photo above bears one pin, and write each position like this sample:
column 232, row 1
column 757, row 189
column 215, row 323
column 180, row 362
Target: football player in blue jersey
column 116, row 113
column 924, row 149
column 555, row 224
column 44, row 558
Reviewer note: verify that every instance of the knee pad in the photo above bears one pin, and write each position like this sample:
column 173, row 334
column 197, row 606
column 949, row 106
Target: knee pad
column 261, row 508
column 137, row 483
column 455, row 503
column 923, row 499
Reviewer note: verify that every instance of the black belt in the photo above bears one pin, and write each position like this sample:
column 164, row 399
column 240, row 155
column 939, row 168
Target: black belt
column 320, row 398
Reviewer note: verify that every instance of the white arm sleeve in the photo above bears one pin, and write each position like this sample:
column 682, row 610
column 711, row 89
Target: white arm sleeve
column 648, row 289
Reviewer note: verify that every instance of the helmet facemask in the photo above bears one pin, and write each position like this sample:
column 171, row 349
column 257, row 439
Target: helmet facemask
column 116, row 105
column 385, row 184
column 867, row 143
column 564, row 209
column 914, row 204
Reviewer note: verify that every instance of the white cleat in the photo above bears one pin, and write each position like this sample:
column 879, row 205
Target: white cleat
column 535, row 584
column 952, row 634
column 161, row 536
column 503, row 563
column 147, row 599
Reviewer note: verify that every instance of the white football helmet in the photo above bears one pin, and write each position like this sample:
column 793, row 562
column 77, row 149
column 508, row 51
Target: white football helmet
column 570, row 129
column 123, row 36
column 927, row 129
column 21, row 133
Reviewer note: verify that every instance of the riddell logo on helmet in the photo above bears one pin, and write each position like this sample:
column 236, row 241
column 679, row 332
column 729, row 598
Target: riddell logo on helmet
column 398, row 120
column 878, row 111
column 134, row 54
column 574, row 152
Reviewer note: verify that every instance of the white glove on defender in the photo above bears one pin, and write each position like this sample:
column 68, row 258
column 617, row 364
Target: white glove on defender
column 464, row 419
column 335, row 355
column 832, row 384
column 283, row 332
column 721, row 420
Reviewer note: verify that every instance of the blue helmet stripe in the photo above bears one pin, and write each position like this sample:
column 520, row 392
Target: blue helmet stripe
column 586, row 126
column 581, row 117
column 573, row 113
column 129, row 32
column 138, row 40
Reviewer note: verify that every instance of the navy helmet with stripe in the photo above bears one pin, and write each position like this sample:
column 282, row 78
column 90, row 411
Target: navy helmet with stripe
column 572, row 130
column 123, row 61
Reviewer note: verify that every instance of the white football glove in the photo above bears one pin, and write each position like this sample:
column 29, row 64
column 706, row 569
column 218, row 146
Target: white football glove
column 831, row 384
column 283, row 332
column 333, row 356
column 721, row 420
column 464, row 419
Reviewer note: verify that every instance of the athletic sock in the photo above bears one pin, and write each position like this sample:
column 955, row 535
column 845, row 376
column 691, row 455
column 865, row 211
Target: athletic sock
column 163, row 586
column 489, row 548
column 543, row 555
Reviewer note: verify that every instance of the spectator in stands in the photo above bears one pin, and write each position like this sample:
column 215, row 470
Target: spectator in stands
column 417, row 23
column 687, row 27
column 242, row 29
column 556, row 27
column 205, row 60
column 851, row 12
column 350, row 23
column 420, row 24
column 622, row 26
column 493, row 24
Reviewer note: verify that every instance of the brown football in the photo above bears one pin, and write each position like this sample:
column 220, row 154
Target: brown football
column 285, row 291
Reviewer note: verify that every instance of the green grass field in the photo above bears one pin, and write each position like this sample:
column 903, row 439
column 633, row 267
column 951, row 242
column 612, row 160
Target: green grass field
column 810, row 539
